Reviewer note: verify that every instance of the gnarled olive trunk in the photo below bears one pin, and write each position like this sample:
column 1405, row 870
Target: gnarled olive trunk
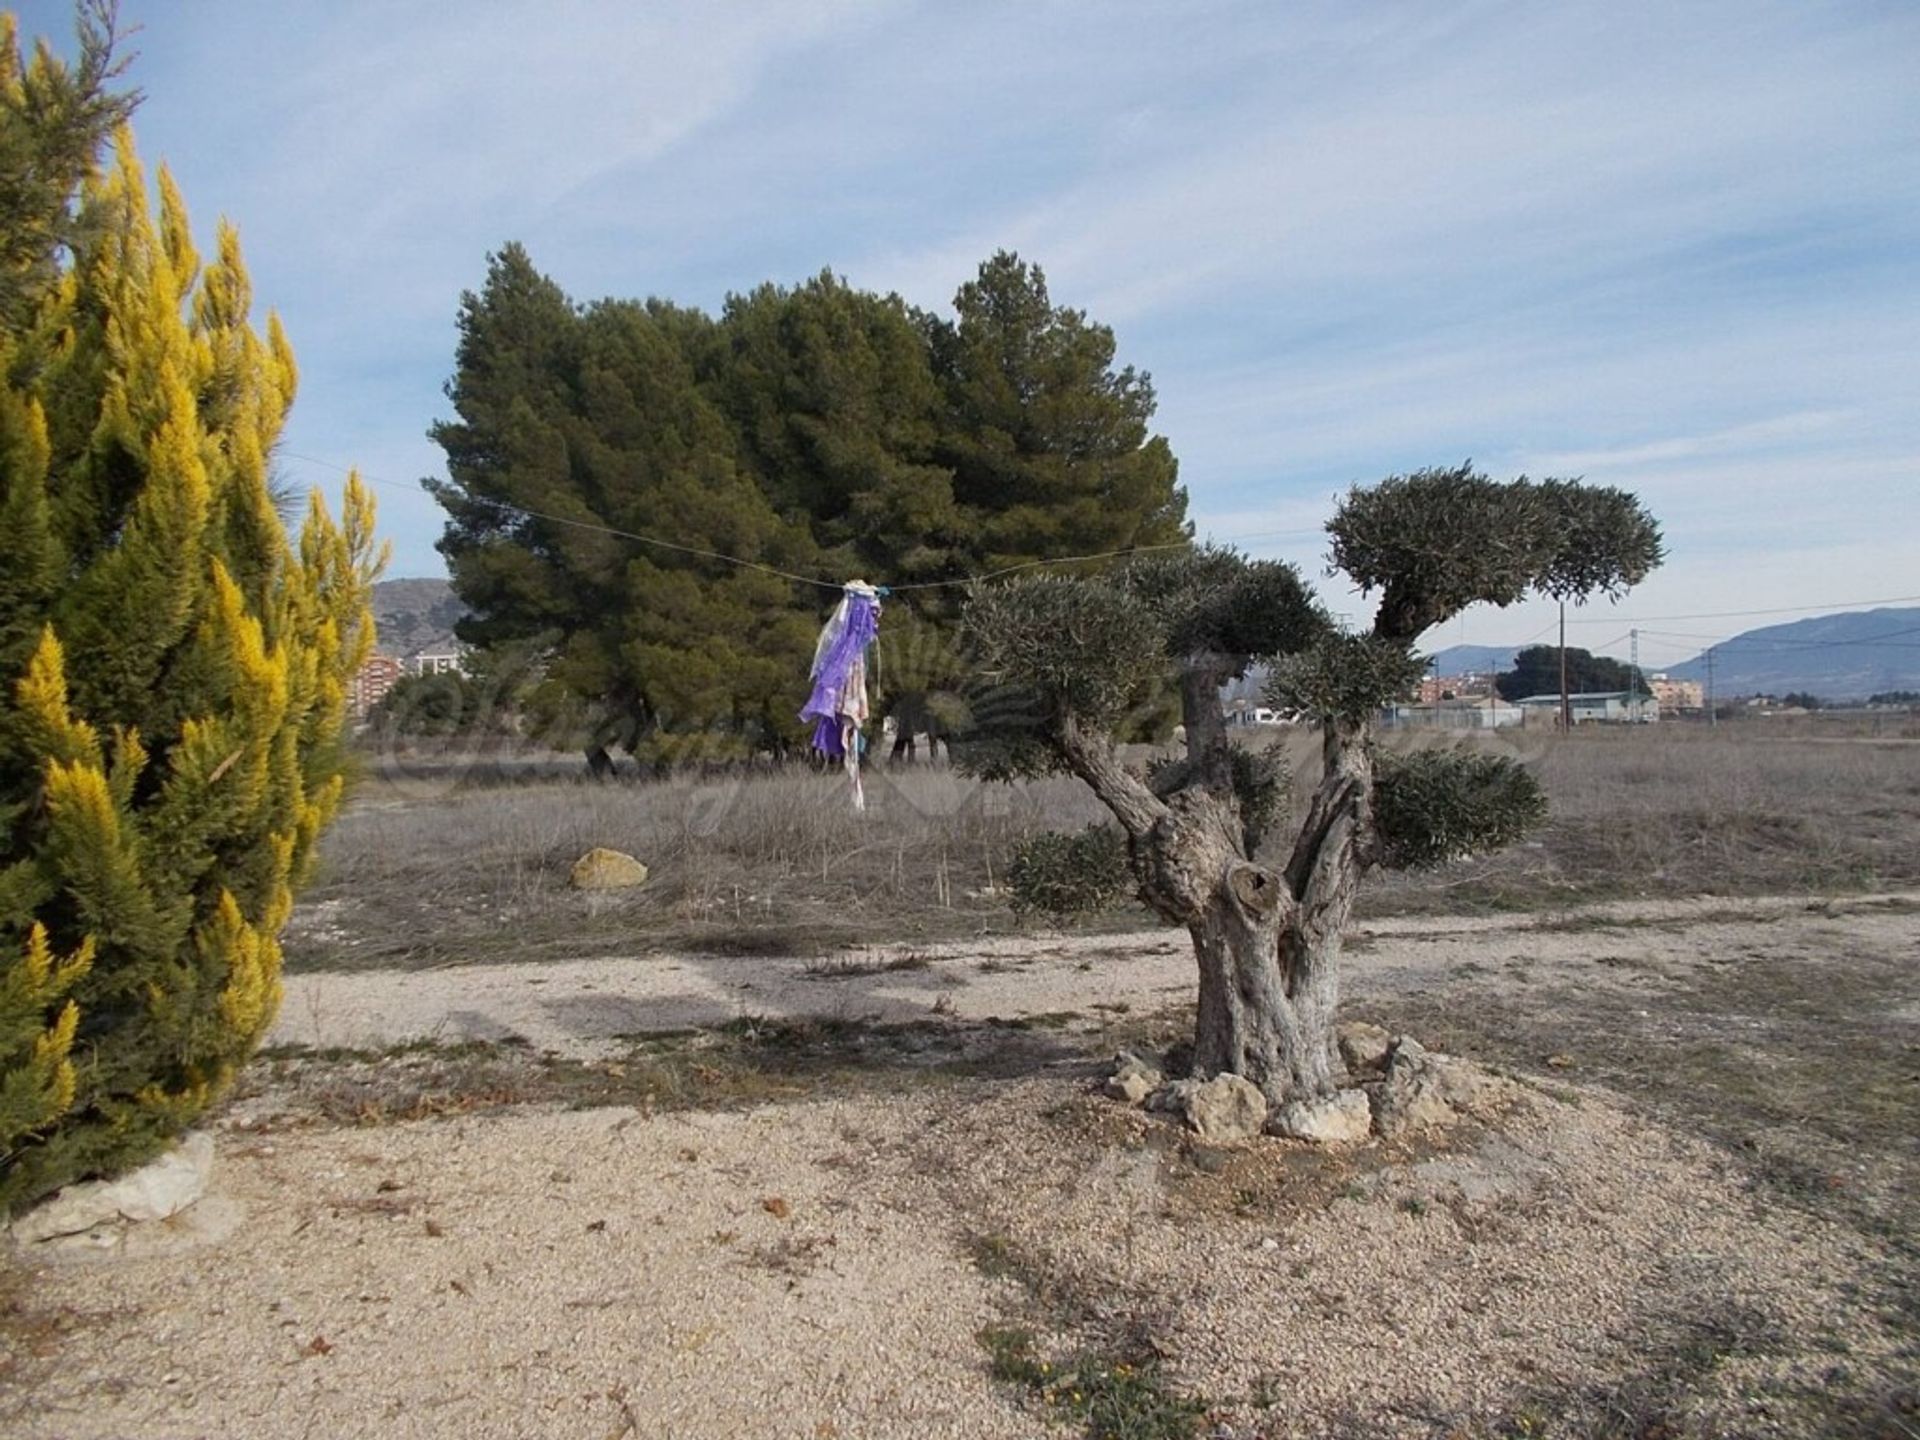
column 1269, row 990
column 1266, row 940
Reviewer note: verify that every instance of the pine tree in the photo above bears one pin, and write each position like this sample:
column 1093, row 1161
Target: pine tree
column 1536, row 671
column 834, row 400
column 1047, row 442
column 595, row 419
column 173, row 669
column 822, row 430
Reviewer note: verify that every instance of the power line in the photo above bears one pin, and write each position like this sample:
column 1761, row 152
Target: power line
column 1271, row 534
column 1738, row 614
column 597, row 528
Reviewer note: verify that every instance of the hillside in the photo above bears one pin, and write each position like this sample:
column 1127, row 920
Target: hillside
column 415, row 615
column 1473, row 659
column 1837, row 657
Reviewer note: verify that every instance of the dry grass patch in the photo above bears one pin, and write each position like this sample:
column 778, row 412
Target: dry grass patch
column 424, row 875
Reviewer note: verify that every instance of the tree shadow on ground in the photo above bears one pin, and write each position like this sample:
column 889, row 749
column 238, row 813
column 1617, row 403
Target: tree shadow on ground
column 745, row 1062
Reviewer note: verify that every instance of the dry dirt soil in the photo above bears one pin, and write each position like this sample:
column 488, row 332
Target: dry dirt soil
column 877, row 1195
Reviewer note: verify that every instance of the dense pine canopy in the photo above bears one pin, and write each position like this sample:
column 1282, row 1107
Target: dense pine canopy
column 821, row 431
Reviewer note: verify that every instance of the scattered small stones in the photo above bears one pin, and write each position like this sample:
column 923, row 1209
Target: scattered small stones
column 1132, row 1080
column 1209, row 1159
column 603, row 869
column 1341, row 1118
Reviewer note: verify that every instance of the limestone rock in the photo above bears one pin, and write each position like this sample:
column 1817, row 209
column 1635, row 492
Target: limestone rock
column 1132, row 1080
column 1338, row 1119
column 602, row 869
column 1132, row 1086
column 1411, row 1096
column 1364, row 1046
column 208, row 1221
column 1420, row 1090
column 1221, row 1110
column 157, row 1190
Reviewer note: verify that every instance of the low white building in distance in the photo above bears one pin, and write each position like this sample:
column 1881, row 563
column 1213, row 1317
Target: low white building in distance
column 1619, row 707
column 1485, row 713
column 437, row 662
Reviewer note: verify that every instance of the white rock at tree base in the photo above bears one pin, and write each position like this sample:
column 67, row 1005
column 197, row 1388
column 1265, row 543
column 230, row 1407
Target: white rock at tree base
column 603, row 869
column 1341, row 1118
column 1221, row 1110
column 1417, row 1093
column 157, row 1190
column 1364, row 1046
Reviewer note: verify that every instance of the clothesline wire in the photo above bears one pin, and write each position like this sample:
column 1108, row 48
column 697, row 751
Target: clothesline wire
column 814, row 580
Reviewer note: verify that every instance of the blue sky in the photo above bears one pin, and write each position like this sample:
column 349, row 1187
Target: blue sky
column 1670, row 247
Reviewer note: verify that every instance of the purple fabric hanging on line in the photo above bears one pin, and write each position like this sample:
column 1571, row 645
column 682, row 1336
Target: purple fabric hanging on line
column 838, row 705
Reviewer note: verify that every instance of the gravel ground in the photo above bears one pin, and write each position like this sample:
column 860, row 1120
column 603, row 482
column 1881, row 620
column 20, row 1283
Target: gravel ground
column 804, row 1270
column 564, row 1275
column 824, row 1267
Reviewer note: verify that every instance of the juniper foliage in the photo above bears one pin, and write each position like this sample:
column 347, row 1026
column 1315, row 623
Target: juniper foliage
column 173, row 667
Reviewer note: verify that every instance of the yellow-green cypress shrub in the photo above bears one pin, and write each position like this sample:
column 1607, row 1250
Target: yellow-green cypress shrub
column 173, row 666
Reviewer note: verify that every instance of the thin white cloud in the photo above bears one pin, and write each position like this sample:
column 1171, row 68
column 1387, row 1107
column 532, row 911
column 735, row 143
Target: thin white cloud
column 1803, row 427
column 1664, row 245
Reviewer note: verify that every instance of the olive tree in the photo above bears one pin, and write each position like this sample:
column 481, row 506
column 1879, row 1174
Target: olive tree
column 1070, row 657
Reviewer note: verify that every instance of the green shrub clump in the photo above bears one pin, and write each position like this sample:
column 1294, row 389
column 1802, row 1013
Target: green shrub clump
column 1060, row 875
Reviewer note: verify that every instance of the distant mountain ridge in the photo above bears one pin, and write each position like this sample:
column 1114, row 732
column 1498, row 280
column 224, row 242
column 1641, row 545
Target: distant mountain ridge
column 415, row 616
column 1849, row 656
column 1473, row 659
column 1836, row 657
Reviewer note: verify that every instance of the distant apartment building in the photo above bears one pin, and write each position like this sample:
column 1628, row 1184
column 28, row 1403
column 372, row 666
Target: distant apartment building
column 371, row 684
column 1435, row 688
column 436, row 662
column 1678, row 694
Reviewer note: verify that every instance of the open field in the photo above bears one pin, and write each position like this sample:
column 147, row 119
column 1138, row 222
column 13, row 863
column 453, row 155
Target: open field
column 424, row 870
column 524, row 1162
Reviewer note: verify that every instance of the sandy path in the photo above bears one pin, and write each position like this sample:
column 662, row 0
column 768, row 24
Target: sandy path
column 575, row 1007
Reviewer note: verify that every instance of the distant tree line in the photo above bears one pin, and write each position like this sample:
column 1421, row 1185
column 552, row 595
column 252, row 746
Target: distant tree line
column 1536, row 671
column 820, row 430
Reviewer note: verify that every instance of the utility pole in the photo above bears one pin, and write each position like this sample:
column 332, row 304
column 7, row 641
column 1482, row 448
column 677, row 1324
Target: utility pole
column 1566, row 705
column 1713, row 711
column 1635, row 710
